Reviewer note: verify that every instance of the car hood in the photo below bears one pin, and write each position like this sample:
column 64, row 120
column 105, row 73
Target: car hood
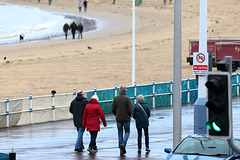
column 191, row 157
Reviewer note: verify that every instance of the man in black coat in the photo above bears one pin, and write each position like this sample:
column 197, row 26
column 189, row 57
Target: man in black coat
column 77, row 107
column 73, row 28
column 65, row 29
column 80, row 30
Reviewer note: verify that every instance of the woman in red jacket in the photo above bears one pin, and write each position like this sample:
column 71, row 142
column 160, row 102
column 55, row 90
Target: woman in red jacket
column 91, row 120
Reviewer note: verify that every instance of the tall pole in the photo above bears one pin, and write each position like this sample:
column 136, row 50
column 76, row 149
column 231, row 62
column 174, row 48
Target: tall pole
column 133, row 42
column 200, row 117
column 177, row 99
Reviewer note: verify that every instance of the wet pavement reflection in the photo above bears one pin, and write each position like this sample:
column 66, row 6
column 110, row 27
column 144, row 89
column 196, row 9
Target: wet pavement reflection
column 56, row 140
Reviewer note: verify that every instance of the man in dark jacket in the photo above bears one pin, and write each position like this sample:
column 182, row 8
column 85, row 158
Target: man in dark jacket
column 65, row 29
column 77, row 107
column 122, row 109
column 80, row 29
column 141, row 113
column 73, row 28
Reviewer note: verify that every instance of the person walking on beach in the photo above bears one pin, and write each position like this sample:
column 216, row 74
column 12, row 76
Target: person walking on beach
column 77, row 107
column 80, row 6
column 122, row 109
column 91, row 120
column 141, row 113
column 65, row 29
column 80, row 30
column 49, row 2
column 85, row 5
column 73, row 28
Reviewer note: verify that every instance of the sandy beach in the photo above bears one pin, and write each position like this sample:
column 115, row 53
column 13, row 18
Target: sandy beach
column 63, row 65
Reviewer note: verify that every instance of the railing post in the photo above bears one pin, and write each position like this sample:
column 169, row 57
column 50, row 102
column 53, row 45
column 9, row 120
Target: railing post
column 74, row 92
column 31, row 108
column 95, row 90
column 53, row 103
column 153, row 103
column 171, row 91
column 115, row 88
column 7, row 101
column 135, row 92
column 188, row 90
column 237, row 83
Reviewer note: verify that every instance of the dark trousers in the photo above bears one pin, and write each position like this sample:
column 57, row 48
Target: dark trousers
column 92, row 143
column 140, row 137
column 73, row 33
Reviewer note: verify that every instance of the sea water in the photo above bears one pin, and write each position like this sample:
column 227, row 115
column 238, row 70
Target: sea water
column 34, row 23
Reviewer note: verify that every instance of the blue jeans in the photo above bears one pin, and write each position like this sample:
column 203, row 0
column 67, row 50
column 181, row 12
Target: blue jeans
column 79, row 34
column 122, row 140
column 140, row 137
column 79, row 142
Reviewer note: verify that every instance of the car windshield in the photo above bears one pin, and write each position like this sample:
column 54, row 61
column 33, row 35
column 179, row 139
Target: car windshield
column 203, row 146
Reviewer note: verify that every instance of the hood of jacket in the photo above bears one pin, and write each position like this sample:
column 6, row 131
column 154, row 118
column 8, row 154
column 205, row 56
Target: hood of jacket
column 93, row 101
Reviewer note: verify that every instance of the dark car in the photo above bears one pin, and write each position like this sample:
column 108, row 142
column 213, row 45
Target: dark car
column 199, row 147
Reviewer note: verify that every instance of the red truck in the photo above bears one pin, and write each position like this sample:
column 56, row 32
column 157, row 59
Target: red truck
column 220, row 47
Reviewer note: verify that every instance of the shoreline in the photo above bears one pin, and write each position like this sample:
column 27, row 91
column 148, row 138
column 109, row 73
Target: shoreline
column 63, row 65
column 90, row 25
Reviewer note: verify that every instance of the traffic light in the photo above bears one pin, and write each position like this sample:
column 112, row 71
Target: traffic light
column 219, row 104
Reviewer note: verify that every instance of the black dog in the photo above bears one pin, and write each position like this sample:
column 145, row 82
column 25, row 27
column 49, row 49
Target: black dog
column 21, row 37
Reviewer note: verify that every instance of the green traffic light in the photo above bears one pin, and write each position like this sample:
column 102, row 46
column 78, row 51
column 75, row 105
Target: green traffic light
column 208, row 125
column 216, row 127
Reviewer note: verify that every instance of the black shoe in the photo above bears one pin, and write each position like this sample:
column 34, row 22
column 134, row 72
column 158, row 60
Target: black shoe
column 123, row 149
column 77, row 149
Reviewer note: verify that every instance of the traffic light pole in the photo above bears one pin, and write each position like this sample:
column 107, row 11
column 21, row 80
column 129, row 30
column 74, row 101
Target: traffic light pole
column 199, row 106
column 231, row 142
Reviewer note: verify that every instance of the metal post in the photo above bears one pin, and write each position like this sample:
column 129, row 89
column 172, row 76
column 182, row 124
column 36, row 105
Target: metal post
column 95, row 90
column 188, row 90
column 200, row 117
column 31, row 108
column 74, row 92
column 135, row 92
column 171, row 91
column 115, row 88
column 177, row 102
column 7, row 101
column 153, row 82
column 53, row 106
column 237, row 83
column 133, row 42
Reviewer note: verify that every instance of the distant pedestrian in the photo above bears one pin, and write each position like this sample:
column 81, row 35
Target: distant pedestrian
column 38, row 1
column 113, row 2
column 77, row 107
column 65, row 29
column 80, row 30
column 85, row 5
column 80, row 6
column 91, row 120
column 122, row 109
column 49, row 2
column 73, row 28
column 170, row 1
column 141, row 113
column 164, row 1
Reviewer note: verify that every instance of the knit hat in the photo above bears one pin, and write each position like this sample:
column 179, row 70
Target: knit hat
column 95, row 97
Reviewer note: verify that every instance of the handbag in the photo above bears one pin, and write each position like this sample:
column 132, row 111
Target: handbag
column 144, row 111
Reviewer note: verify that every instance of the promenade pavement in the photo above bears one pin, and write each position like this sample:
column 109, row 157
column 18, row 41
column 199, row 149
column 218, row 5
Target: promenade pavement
column 55, row 140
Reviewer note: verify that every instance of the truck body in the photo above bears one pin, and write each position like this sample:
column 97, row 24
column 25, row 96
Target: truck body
column 219, row 46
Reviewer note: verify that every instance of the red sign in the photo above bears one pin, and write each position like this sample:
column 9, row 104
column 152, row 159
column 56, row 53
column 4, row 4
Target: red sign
column 200, row 67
